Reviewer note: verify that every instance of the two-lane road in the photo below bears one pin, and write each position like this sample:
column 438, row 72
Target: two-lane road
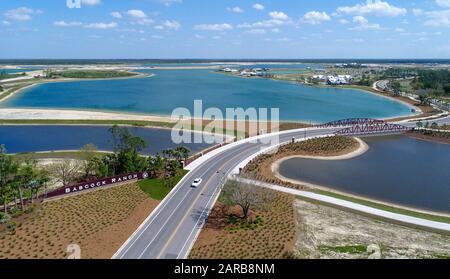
column 171, row 230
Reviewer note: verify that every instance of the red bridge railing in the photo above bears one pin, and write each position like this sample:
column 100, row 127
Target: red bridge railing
column 351, row 122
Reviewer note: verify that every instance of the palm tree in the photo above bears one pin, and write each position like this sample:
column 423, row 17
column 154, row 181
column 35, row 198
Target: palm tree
column 419, row 124
column 182, row 152
column 434, row 126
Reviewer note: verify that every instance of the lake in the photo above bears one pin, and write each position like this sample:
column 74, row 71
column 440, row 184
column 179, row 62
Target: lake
column 396, row 169
column 170, row 89
column 18, row 139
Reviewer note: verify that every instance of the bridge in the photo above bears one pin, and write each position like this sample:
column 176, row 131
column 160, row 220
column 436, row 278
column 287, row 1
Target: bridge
column 365, row 127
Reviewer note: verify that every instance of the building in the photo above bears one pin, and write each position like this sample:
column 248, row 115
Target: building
column 339, row 80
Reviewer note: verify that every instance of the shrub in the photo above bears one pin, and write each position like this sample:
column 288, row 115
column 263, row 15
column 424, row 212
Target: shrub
column 3, row 218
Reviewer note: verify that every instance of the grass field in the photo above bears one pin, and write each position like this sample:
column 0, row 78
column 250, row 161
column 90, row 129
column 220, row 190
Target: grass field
column 156, row 189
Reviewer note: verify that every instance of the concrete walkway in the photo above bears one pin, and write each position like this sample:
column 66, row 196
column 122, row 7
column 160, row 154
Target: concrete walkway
column 398, row 218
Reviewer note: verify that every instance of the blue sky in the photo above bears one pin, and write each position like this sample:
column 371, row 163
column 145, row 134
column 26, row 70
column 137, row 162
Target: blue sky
column 225, row 29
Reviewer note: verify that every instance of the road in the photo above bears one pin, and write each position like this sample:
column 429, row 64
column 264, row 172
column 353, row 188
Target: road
column 172, row 228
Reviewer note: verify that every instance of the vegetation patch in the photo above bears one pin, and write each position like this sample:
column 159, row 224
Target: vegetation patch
column 99, row 222
column 4, row 75
column 268, row 233
column 158, row 188
column 90, row 74
column 350, row 249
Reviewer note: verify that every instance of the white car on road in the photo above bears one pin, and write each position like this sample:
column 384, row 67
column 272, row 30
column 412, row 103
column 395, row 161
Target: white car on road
column 196, row 183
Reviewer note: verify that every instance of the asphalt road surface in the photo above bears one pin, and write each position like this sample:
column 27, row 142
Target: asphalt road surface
column 171, row 230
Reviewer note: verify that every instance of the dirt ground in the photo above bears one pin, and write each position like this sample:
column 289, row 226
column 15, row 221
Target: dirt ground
column 271, row 240
column 98, row 222
column 326, row 232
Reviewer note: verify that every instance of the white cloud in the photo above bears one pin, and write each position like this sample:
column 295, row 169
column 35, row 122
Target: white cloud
column 344, row 21
column 237, row 10
column 171, row 24
column 97, row 25
column 438, row 18
column 443, row 3
column 62, row 23
column 279, row 16
column 256, row 31
column 363, row 24
column 5, row 22
column 91, row 2
column 314, row 17
column 214, row 27
column 139, row 14
column 258, row 7
column 101, row 25
column 360, row 20
column 141, row 17
column 277, row 19
column 169, row 3
column 116, row 15
column 22, row 13
column 401, row 30
column 377, row 7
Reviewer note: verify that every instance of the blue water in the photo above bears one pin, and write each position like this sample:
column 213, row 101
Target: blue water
column 19, row 139
column 170, row 89
column 13, row 71
column 396, row 169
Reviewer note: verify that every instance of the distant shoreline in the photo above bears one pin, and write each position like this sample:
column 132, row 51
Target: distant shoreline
column 79, row 114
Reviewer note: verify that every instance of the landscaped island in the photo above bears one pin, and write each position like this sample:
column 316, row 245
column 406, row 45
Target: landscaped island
column 261, row 168
column 90, row 74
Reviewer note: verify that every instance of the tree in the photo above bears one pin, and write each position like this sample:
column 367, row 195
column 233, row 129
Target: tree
column 424, row 100
column 88, row 152
column 434, row 126
column 182, row 153
column 246, row 197
column 156, row 165
column 8, row 171
column 419, row 124
column 65, row 171
column 42, row 179
column 26, row 177
column 127, row 148
column 396, row 88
